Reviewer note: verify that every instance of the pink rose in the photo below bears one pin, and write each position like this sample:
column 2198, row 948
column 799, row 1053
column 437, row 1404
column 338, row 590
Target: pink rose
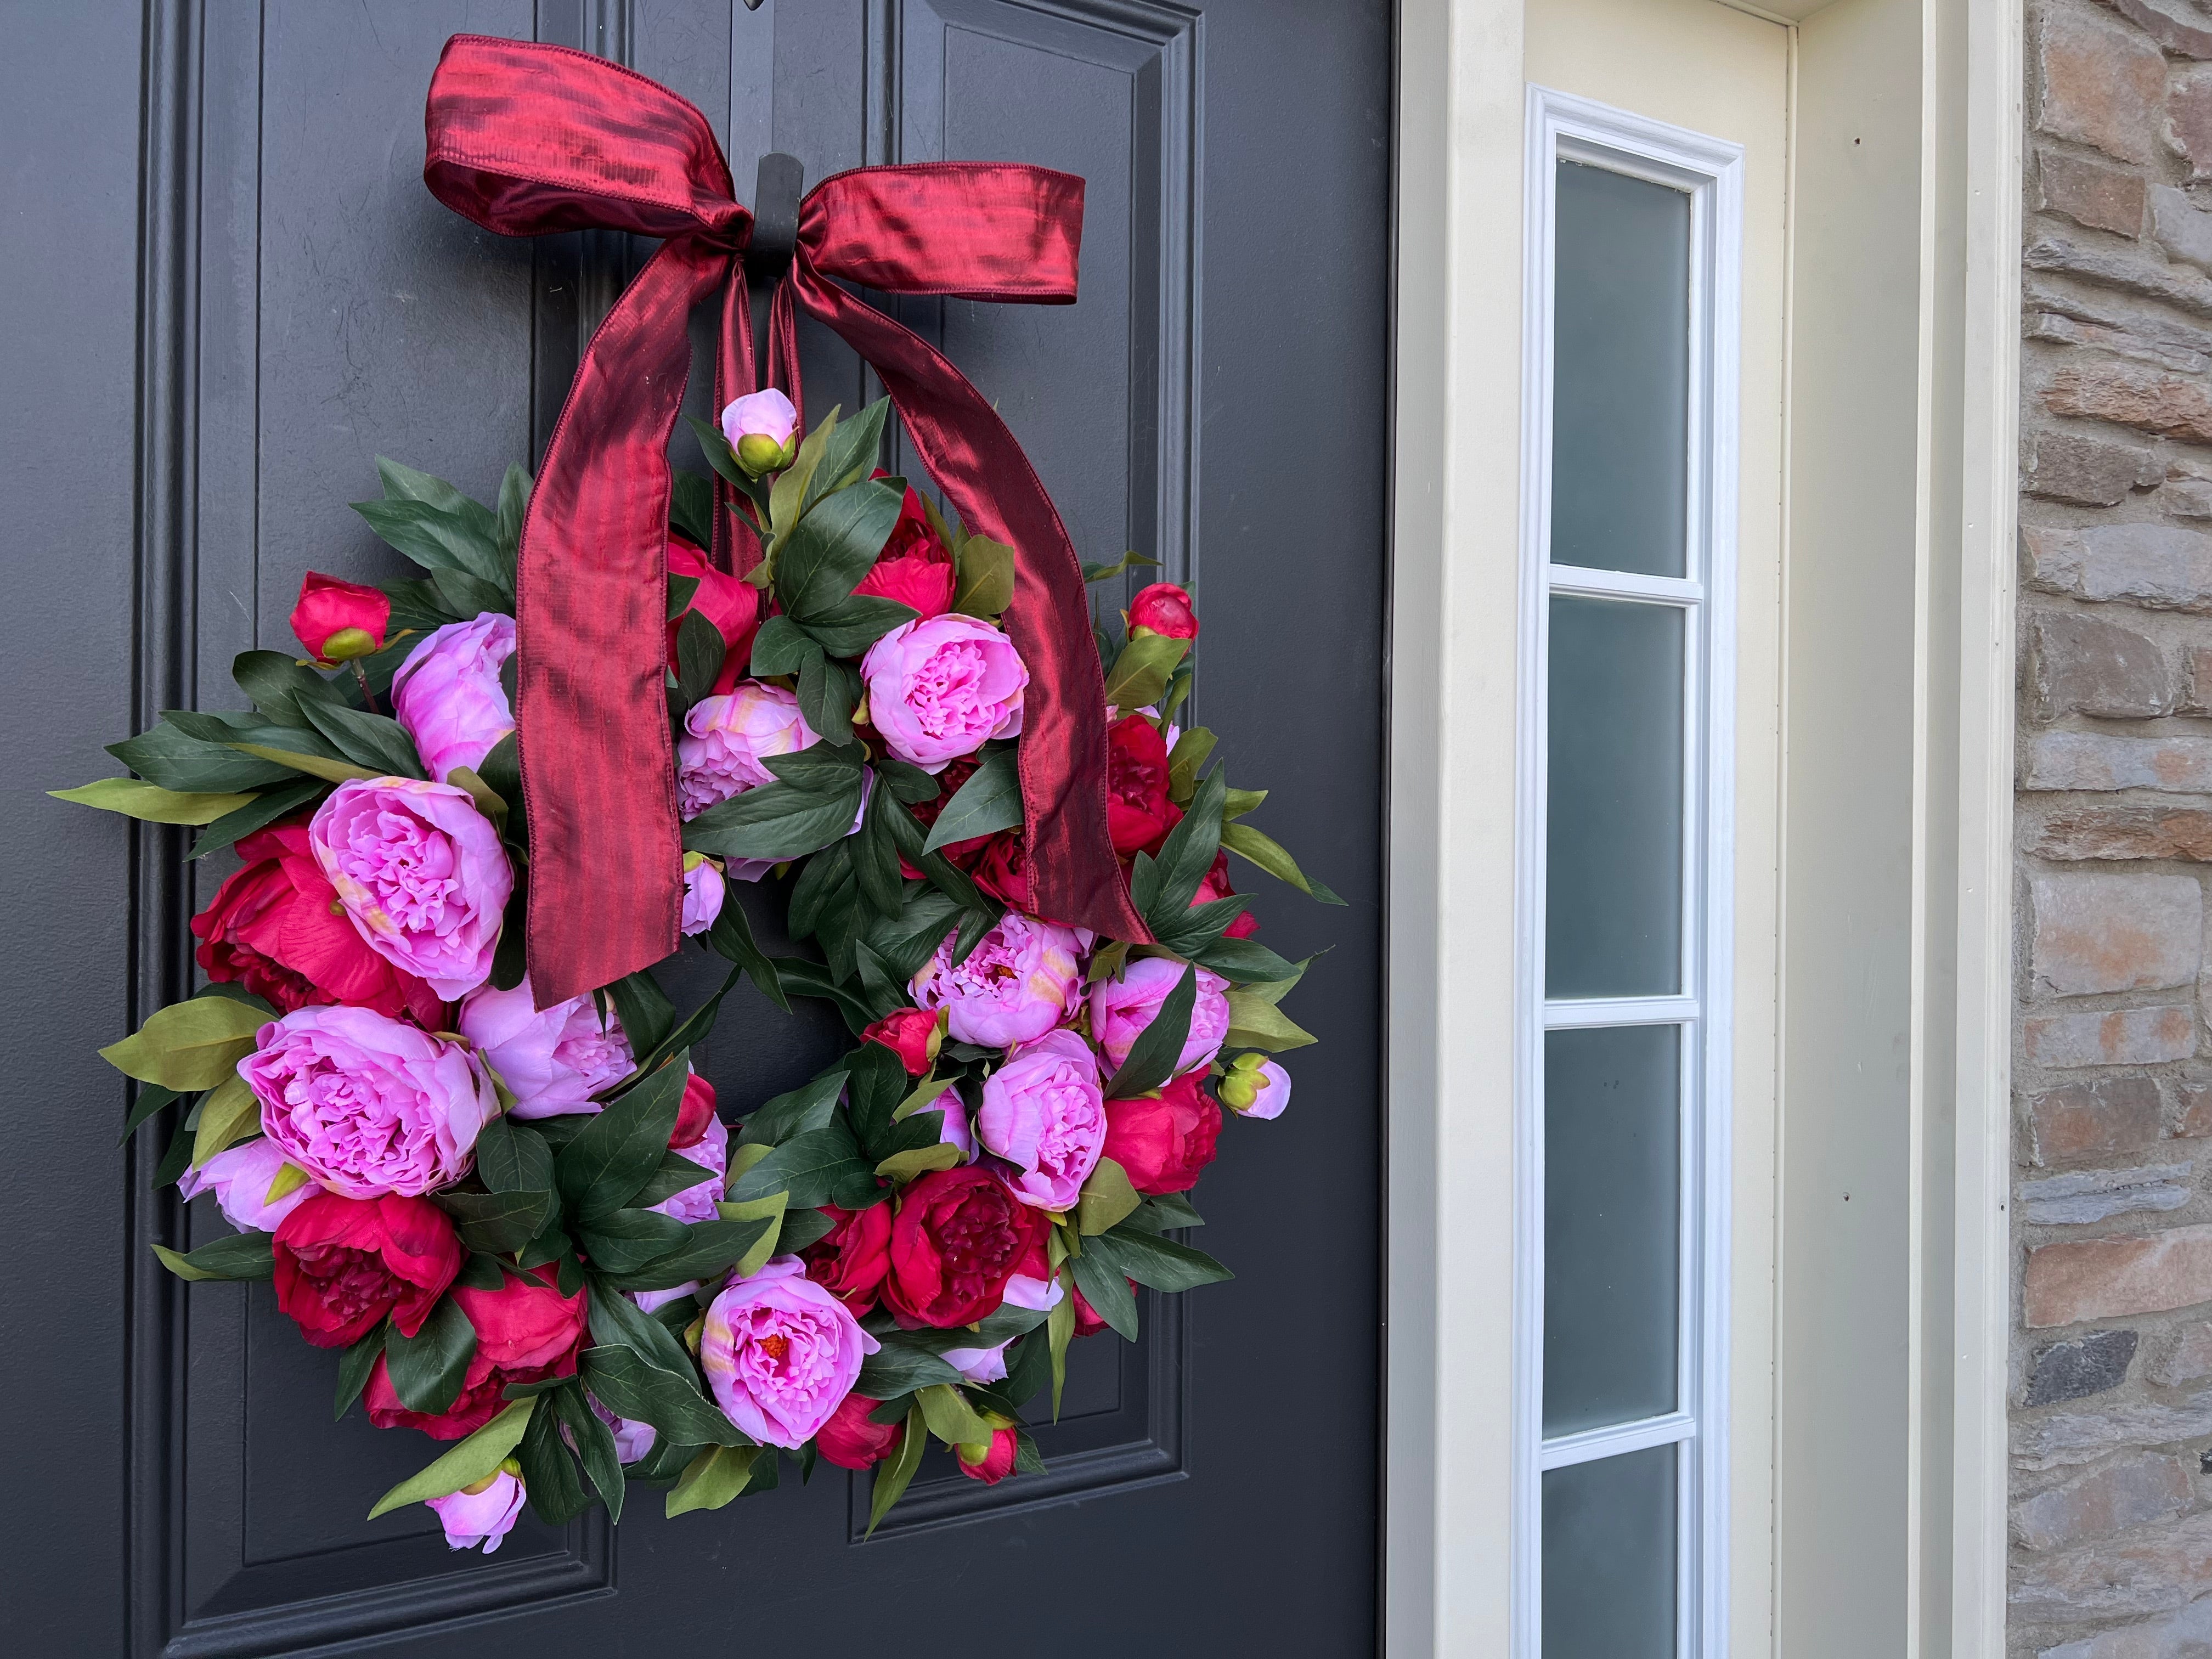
column 703, row 893
column 712, row 1150
column 239, row 1179
column 551, row 1062
column 1043, row 1113
column 780, row 1352
column 1255, row 1087
column 727, row 738
column 1020, row 981
column 943, row 687
column 448, row 696
column 420, row 873
column 1122, row 1008
column 762, row 429
column 482, row 1514
column 368, row 1105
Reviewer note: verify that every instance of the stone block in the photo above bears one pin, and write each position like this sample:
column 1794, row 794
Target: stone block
column 2076, row 1370
column 2149, row 1487
column 2097, row 932
column 2189, row 1360
column 2088, row 666
column 2096, row 1194
column 2062, row 329
column 2189, row 119
column 2092, row 760
column 2159, row 566
column 2132, row 395
column 2182, row 228
column 2122, row 1037
column 2126, row 832
column 2102, row 84
column 2123, row 268
column 2197, row 677
column 2195, row 1118
column 2090, row 193
column 2184, row 498
column 2112, row 1277
column 2109, row 1118
column 2185, row 1635
column 2151, row 1570
column 2179, row 25
column 2064, row 1438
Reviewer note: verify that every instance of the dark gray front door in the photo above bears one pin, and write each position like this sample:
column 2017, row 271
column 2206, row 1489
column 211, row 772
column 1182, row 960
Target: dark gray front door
column 228, row 292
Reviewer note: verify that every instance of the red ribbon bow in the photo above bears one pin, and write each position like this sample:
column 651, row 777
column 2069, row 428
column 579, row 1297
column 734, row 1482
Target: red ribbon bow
column 526, row 139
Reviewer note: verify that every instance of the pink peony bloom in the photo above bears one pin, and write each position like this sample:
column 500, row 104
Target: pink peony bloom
column 420, row 872
column 727, row 738
column 1020, row 981
column 368, row 1105
column 1255, row 1087
column 650, row 1300
column 483, row 1516
column 633, row 1440
column 762, row 429
column 703, row 893
column 1043, row 1112
column 241, row 1179
column 1122, row 1008
column 448, row 696
column 942, row 687
column 551, row 1062
column 780, row 1352
column 711, row 1151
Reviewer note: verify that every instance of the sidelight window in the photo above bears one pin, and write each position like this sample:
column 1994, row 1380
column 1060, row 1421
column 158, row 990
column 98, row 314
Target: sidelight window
column 1628, row 543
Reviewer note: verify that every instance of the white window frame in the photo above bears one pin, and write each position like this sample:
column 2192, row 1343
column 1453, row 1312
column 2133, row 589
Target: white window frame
column 1710, row 172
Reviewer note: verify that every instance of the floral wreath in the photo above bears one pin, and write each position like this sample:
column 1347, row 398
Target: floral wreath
column 480, row 1165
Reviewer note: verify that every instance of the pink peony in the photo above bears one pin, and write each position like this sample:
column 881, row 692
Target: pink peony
column 483, row 1514
column 711, row 1150
column 420, row 873
column 448, row 696
column 633, row 1440
column 703, row 893
column 367, row 1105
column 1043, row 1113
column 1255, row 1087
column 241, row 1179
column 1122, row 1008
column 942, row 687
column 780, row 1352
column 762, row 429
column 551, row 1062
column 727, row 738
column 1020, row 981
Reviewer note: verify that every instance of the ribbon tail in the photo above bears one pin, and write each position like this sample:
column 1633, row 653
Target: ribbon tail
column 606, row 882
column 1074, row 876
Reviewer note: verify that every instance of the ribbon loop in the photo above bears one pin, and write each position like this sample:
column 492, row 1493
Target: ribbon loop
column 526, row 139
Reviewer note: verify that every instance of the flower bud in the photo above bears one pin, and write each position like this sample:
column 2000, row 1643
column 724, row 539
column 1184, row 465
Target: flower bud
column 1255, row 1087
column 762, row 431
column 758, row 453
column 1164, row 608
column 339, row 621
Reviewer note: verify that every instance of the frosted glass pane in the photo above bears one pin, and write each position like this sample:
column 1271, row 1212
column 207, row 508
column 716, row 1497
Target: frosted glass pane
column 1613, row 890
column 1612, row 1214
column 1620, row 375
column 1609, row 1557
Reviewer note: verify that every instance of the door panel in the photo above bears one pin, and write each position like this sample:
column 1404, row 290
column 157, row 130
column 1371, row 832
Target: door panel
column 307, row 305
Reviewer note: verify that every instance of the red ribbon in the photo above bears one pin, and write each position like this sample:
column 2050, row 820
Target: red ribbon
column 526, row 139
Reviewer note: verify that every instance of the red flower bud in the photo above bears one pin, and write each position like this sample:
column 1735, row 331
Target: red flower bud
column 696, row 1112
column 339, row 621
column 913, row 1034
column 1164, row 609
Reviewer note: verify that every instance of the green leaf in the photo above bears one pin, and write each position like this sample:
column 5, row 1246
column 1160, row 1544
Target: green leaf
column 376, row 741
column 629, row 1385
column 227, row 1116
column 510, row 960
column 1236, row 803
column 190, row 1045
column 714, row 1476
column 1140, row 674
column 824, row 557
column 1162, row 889
column 699, row 652
column 646, row 1014
column 715, row 448
column 1150, row 1259
column 808, row 1107
column 259, row 812
column 428, row 1369
column 731, row 937
column 1060, row 1329
column 785, row 820
column 823, row 1166
column 1162, row 1210
column 903, row 1167
column 402, row 483
column 354, row 1368
column 849, row 453
column 875, row 854
column 150, row 802
column 1105, row 1289
column 595, row 1446
column 440, row 538
column 175, row 760
column 513, row 507
column 1244, row 961
column 909, row 782
column 1254, row 1022
column 241, row 1255
column 1151, row 1058
column 602, row 1169
column 624, row 1241
column 951, row 1418
column 549, row 1470
column 1107, row 1199
column 1190, row 752
column 790, row 496
column 1099, row 573
column 1247, row 843
column 470, row 596
column 989, row 801
column 498, row 1223
column 314, row 765
column 894, row 1474
column 829, row 691
column 782, row 647
column 769, row 1212
column 681, row 589
column 281, row 686
column 474, row 1459
column 985, row 583
column 676, row 1173
column 617, row 1321
column 152, row 1097
column 705, row 1249
column 690, row 510
column 850, row 626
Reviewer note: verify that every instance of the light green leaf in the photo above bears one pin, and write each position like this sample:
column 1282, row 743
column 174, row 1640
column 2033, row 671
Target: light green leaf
column 1141, row 674
column 1236, row 803
column 488, row 800
column 951, row 1418
column 476, row 1458
column 189, row 1045
column 1265, row 851
column 1107, row 1198
column 227, row 1115
column 918, row 1160
column 769, row 1209
column 290, row 1178
column 985, row 578
column 241, row 1255
column 315, row 766
column 1254, row 1022
column 787, row 497
column 923, row 1094
column 892, row 1477
column 714, row 1476
column 149, row 801
column 989, row 801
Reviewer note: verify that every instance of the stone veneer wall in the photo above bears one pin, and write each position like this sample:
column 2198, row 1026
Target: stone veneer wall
column 2111, row 1420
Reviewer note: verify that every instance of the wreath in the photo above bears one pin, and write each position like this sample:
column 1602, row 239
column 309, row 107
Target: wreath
column 431, row 1078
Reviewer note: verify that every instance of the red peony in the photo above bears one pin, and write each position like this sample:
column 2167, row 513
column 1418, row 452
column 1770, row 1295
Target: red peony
column 1164, row 609
column 998, row 1460
column 850, row 1441
column 275, row 927
column 1002, row 868
column 344, row 1263
column 732, row 605
column 1087, row 1321
column 912, row 1034
column 693, row 1116
column 1139, row 813
column 850, row 1260
column 957, row 1239
column 1163, row 1141
column 1216, row 886
column 526, row 1331
column 339, row 621
column 915, row 567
